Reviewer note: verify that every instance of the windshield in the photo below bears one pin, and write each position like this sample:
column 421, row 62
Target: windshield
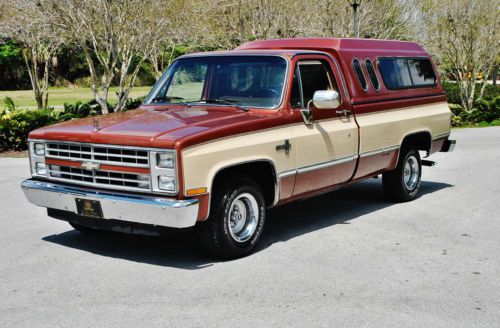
column 252, row 81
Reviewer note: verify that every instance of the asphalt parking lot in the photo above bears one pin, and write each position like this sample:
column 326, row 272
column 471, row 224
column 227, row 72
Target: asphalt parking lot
column 345, row 259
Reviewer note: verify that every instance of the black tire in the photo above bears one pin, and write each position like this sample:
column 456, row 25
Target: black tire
column 216, row 235
column 83, row 229
column 398, row 188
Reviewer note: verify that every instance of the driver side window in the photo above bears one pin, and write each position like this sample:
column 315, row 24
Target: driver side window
column 309, row 77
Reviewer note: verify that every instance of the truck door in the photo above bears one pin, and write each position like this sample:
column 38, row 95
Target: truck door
column 327, row 149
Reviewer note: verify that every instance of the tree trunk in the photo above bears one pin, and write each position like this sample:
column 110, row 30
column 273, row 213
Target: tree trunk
column 125, row 86
column 45, row 82
column 462, row 90
column 155, row 62
column 32, row 67
column 101, row 100
column 486, row 73
column 472, row 85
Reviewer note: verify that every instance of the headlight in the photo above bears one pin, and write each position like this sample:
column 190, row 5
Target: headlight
column 163, row 171
column 39, row 149
column 165, row 160
column 166, row 183
column 41, row 169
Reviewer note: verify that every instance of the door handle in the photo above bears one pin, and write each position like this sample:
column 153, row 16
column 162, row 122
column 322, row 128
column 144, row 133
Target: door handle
column 286, row 147
column 344, row 112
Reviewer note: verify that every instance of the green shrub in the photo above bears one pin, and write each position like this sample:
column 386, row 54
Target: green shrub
column 146, row 76
column 457, row 117
column 485, row 113
column 486, row 110
column 133, row 103
column 495, row 123
column 15, row 126
column 9, row 104
column 452, row 92
column 79, row 110
column 456, row 121
column 83, row 82
column 491, row 92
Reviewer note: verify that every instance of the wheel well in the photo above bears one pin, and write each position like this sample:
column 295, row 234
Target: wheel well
column 419, row 140
column 263, row 172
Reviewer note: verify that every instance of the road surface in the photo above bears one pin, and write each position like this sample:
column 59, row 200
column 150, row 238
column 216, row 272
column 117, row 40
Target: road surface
column 345, row 259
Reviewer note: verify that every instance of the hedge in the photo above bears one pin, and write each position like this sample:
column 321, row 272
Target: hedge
column 451, row 89
column 485, row 112
column 16, row 124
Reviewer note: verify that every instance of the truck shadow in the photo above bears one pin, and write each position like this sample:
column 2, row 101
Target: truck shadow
column 180, row 250
column 338, row 207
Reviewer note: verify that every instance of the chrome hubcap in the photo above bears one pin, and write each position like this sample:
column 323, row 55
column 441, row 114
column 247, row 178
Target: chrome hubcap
column 411, row 173
column 243, row 217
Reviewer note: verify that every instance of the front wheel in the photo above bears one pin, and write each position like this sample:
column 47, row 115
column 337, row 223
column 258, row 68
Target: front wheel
column 237, row 216
column 402, row 183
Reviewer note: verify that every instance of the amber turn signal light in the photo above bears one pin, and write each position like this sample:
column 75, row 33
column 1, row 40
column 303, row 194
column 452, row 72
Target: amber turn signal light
column 197, row 191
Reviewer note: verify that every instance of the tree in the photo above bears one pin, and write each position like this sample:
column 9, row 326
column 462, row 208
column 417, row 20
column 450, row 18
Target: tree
column 464, row 36
column 174, row 34
column 38, row 41
column 380, row 19
column 233, row 22
column 115, row 37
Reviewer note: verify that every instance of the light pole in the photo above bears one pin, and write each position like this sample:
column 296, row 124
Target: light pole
column 355, row 4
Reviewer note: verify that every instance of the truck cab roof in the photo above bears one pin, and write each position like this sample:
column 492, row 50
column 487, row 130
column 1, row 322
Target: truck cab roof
column 349, row 52
column 340, row 45
column 365, row 52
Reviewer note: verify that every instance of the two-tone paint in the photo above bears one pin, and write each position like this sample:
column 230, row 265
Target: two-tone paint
column 359, row 139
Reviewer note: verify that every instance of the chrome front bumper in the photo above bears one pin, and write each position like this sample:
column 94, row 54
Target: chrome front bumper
column 166, row 212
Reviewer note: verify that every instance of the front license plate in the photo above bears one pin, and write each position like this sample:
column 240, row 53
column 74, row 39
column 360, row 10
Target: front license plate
column 90, row 208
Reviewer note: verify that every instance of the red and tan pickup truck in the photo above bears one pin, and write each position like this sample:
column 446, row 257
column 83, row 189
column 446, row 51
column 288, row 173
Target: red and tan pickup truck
column 223, row 136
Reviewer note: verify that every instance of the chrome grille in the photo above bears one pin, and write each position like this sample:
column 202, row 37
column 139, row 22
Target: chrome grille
column 105, row 179
column 98, row 154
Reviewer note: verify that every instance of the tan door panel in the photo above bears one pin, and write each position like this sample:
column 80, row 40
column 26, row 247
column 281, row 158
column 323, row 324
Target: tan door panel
column 326, row 153
column 327, row 150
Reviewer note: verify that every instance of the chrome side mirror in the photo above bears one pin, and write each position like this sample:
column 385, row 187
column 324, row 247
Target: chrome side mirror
column 323, row 99
column 326, row 99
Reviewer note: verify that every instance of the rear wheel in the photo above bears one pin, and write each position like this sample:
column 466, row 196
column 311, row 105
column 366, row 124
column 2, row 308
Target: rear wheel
column 237, row 216
column 402, row 183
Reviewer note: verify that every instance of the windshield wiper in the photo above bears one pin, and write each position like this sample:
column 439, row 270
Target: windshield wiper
column 168, row 99
column 229, row 102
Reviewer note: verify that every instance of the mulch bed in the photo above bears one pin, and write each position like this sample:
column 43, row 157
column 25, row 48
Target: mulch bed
column 14, row 153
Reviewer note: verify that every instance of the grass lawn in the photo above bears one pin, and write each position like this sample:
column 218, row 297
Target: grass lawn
column 59, row 96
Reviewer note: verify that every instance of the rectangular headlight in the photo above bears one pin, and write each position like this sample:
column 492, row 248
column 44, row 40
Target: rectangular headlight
column 165, row 160
column 163, row 171
column 166, row 183
column 39, row 149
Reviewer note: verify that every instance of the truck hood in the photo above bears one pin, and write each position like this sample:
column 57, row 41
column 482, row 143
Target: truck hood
column 157, row 128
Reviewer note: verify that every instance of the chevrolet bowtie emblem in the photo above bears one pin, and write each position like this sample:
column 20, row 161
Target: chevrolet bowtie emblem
column 90, row 166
